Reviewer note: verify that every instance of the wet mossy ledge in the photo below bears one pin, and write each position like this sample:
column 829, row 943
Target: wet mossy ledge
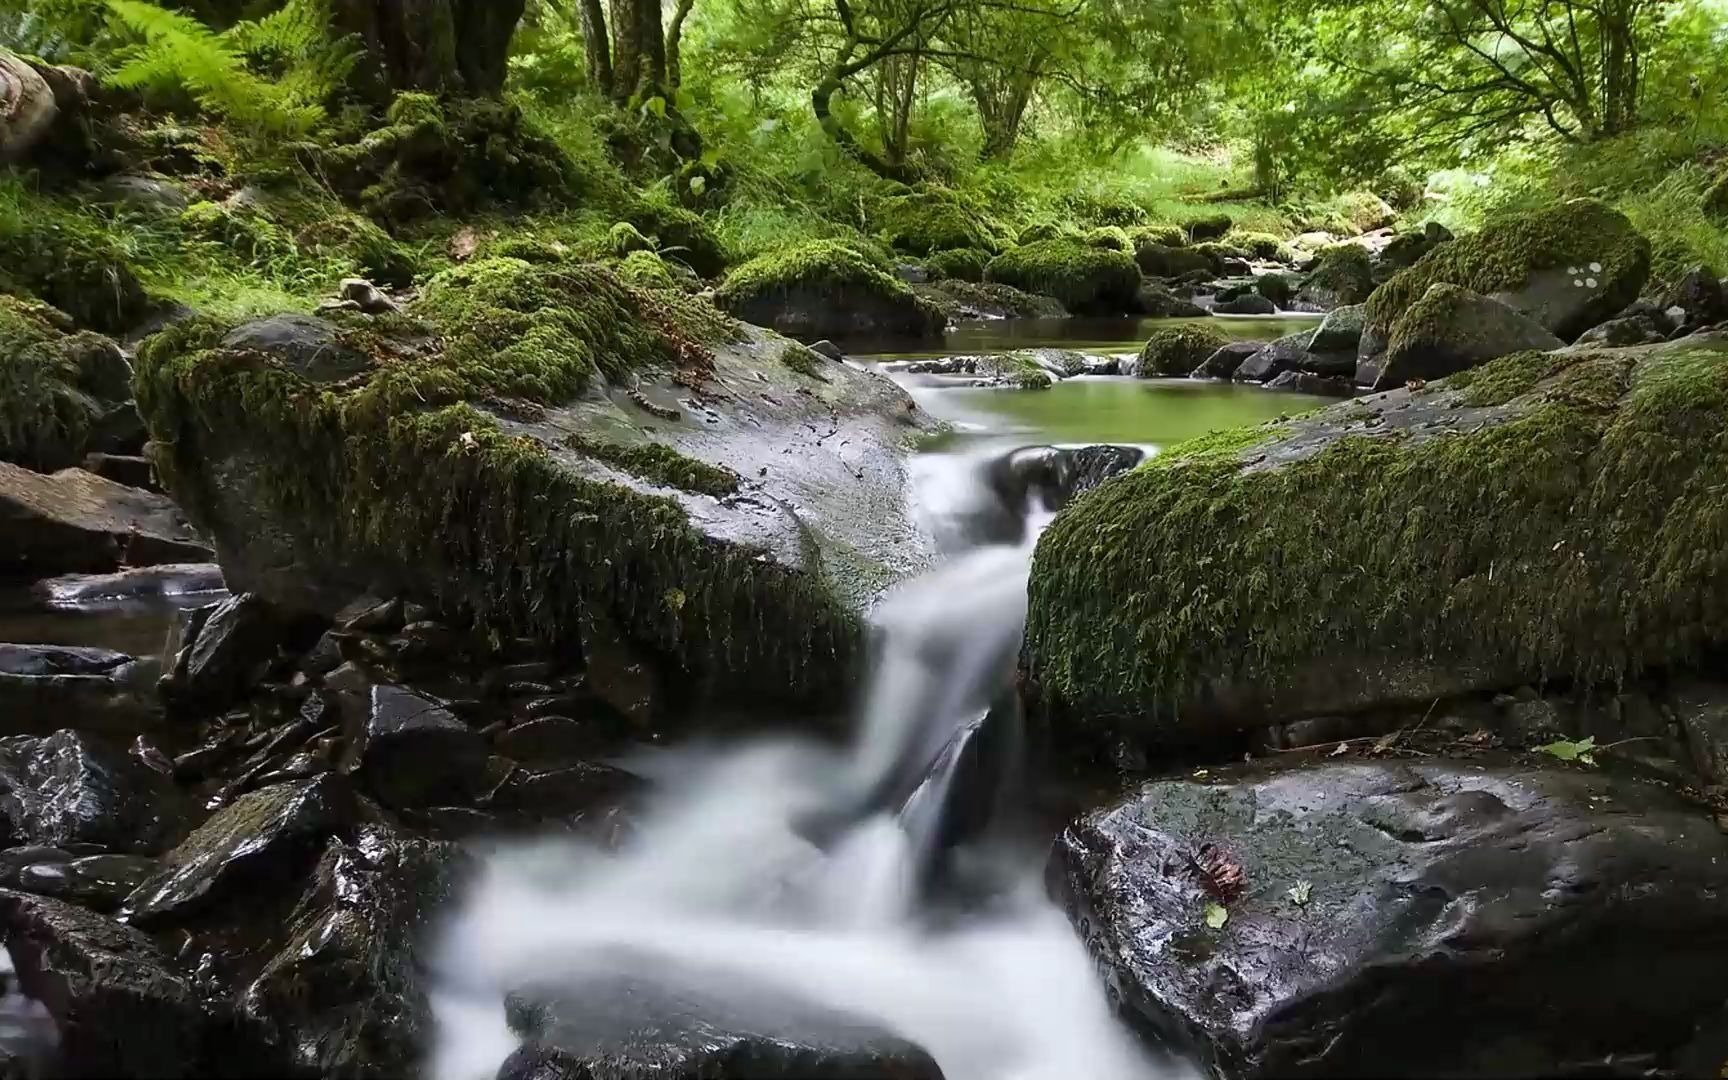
column 540, row 444
column 1548, row 516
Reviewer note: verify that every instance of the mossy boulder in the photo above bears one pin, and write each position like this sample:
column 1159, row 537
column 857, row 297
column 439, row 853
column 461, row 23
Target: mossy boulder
column 925, row 222
column 1568, row 267
column 1114, row 237
column 826, row 289
column 1165, row 235
column 647, row 269
column 56, row 385
column 65, row 259
column 1260, row 245
column 967, row 300
column 1178, row 350
column 682, row 235
column 1209, row 227
column 1084, row 279
column 623, row 238
column 1451, row 330
column 522, row 444
column 1545, row 516
column 1161, row 261
column 963, row 264
column 1342, row 276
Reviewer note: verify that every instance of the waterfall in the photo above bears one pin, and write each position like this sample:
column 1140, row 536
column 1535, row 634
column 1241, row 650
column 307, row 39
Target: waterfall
column 859, row 881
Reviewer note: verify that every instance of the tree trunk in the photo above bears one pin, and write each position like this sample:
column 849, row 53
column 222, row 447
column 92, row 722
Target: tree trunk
column 821, row 103
column 674, row 43
column 651, row 81
column 439, row 46
column 597, row 45
column 1619, row 70
column 626, row 49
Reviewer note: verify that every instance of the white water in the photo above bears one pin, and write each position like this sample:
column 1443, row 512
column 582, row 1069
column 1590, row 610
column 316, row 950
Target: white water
column 718, row 891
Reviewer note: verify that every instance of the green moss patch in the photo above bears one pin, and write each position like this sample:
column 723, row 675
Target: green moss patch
column 45, row 414
column 1179, row 349
column 1344, row 275
column 680, row 234
column 1501, row 256
column 926, row 222
column 1260, row 245
column 647, row 269
column 823, row 265
column 70, row 259
column 1083, row 278
column 964, row 264
column 1575, row 530
column 659, row 464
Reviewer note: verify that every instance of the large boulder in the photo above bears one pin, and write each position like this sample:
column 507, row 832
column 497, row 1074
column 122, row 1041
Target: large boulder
column 75, row 521
column 931, row 221
column 1162, row 261
column 27, row 107
column 826, row 289
column 988, row 300
column 1535, row 517
column 1087, row 280
column 1178, row 350
column 61, row 386
column 1451, row 330
column 67, row 789
column 1567, row 267
column 552, row 443
column 1342, row 276
column 1374, row 911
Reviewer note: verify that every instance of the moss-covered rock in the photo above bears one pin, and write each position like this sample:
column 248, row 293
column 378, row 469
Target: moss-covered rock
column 624, row 238
column 682, row 235
column 924, row 222
column 1113, row 237
column 1343, row 276
column 1178, row 350
column 1568, row 267
column 375, row 254
column 1158, row 260
column 957, row 299
column 647, row 269
column 1260, row 245
column 1172, row 236
column 1084, row 279
column 64, row 259
column 1045, row 230
column 1451, row 330
column 964, row 264
column 1544, row 516
column 1209, row 227
column 55, row 385
column 517, row 445
column 1104, row 208
column 826, row 289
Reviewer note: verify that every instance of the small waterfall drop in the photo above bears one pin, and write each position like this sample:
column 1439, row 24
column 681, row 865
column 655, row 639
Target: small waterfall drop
column 841, row 880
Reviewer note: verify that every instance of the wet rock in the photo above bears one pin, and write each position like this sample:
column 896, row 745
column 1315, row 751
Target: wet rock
column 560, row 792
column 372, row 614
column 1224, row 363
column 131, row 470
column 1702, row 709
column 1159, row 261
column 1306, row 382
column 629, row 1029
column 67, row 789
column 1342, row 276
column 1451, row 330
column 1341, row 331
column 1160, row 303
column 1278, row 288
column 1247, row 304
column 42, row 687
column 1288, row 353
column 1557, row 916
column 346, row 995
column 236, row 646
column 74, row 521
column 308, row 346
column 412, row 751
column 829, row 349
column 141, row 583
column 263, row 841
column 97, row 882
column 1628, row 330
column 367, row 297
column 549, row 740
column 617, row 674
column 1699, row 295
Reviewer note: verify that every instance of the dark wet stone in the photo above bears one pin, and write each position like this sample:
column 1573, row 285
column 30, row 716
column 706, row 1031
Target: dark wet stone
column 1247, row 304
column 345, row 995
column 140, row 583
column 1451, row 330
column 559, row 792
column 1460, row 919
column 1224, row 363
column 1628, row 330
column 1288, row 353
column 308, row 346
column 76, row 522
column 1341, row 331
column 67, row 789
column 133, row 470
column 412, row 751
column 549, row 740
column 1702, row 709
column 98, row 882
column 118, row 1004
column 628, row 1029
column 43, row 687
column 1699, row 295
column 371, row 614
column 617, row 674
column 1307, row 382
column 230, row 654
column 1278, row 288
column 263, row 841
column 1160, row 303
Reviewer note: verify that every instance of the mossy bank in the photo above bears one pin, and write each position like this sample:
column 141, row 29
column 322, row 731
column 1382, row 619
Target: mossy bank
column 1547, row 516
column 557, row 452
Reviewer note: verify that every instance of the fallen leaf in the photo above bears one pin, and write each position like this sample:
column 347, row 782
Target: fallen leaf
column 1216, row 916
column 1340, row 749
column 1479, row 737
column 465, row 243
column 1582, row 751
column 1300, row 893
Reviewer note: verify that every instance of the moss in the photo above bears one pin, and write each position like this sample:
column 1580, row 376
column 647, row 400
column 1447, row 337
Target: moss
column 1082, row 278
column 955, row 298
column 624, row 239
column 373, row 252
column 1579, row 534
column 1260, row 245
column 1104, row 208
column 1715, row 200
column 1344, row 274
column 647, row 269
column 71, row 260
column 246, row 232
column 1114, row 237
column 398, row 468
column 964, row 264
column 1016, row 369
column 1170, row 236
column 1179, row 349
column 1210, row 226
column 659, row 464
column 680, row 234
column 925, row 222
column 1501, row 256
column 802, row 360
column 821, row 264
column 45, row 415
column 1045, row 230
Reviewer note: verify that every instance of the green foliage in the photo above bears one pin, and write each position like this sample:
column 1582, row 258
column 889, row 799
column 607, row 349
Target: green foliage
column 1179, row 349
column 72, row 257
column 926, row 222
column 45, row 413
column 1082, row 278
column 1113, row 237
column 1583, row 751
column 659, row 464
column 301, row 66
column 625, row 238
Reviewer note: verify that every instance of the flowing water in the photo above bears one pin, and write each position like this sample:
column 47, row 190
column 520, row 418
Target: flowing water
column 873, row 882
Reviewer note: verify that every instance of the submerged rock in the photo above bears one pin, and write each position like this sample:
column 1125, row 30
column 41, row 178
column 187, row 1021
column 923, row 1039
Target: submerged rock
column 1532, row 517
column 74, row 521
column 548, row 451
column 67, row 789
column 43, row 687
column 142, row 583
column 1451, row 330
column 1559, row 918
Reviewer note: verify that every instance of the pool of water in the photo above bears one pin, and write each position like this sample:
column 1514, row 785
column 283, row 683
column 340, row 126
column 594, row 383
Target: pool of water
column 1093, row 409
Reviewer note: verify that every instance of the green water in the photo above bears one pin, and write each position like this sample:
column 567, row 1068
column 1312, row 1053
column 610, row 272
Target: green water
column 1097, row 409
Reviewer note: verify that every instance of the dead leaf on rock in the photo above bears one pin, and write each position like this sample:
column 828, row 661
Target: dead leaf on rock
column 1220, row 875
column 466, row 243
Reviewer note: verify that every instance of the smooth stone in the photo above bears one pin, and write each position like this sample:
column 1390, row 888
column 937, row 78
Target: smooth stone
column 98, row 882
column 412, row 751
column 74, row 521
column 1288, row 353
column 310, row 347
column 1224, row 363
column 1451, row 330
column 43, row 686
column 139, row 583
column 68, row 789
column 1341, row 331
column 238, row 642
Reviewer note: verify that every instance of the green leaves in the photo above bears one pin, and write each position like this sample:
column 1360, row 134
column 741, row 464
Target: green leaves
column 1583, row 751
column 1300, row 893
column 1216, row 916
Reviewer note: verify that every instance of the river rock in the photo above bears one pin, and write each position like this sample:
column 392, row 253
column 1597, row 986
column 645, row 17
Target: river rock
column 1451, row 330
column 412, row 751
column 1288, row 353
column 1702, row 709
column 826, row 289
column 42, row 687
column 312, row 348
column 1342, row 276
column 1561, row 917
column 346, row 995
column 1158, row 302
column 68, row 789
column 1626, row 330
column 1307, row 382
column 73, row 521
column 1699, row 295
column 1247, row 304
column 97, row 882
column 1508, row 465
column 738, row 532
column 1224, row 363
column 262, row 841
column 1278, row 288
column 630, row 1029
column 1340, row 331
column 1159, row 261
column 549, row 740
column 236, row 645
column 140, row 583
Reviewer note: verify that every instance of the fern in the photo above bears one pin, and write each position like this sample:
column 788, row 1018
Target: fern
column 303, row 66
